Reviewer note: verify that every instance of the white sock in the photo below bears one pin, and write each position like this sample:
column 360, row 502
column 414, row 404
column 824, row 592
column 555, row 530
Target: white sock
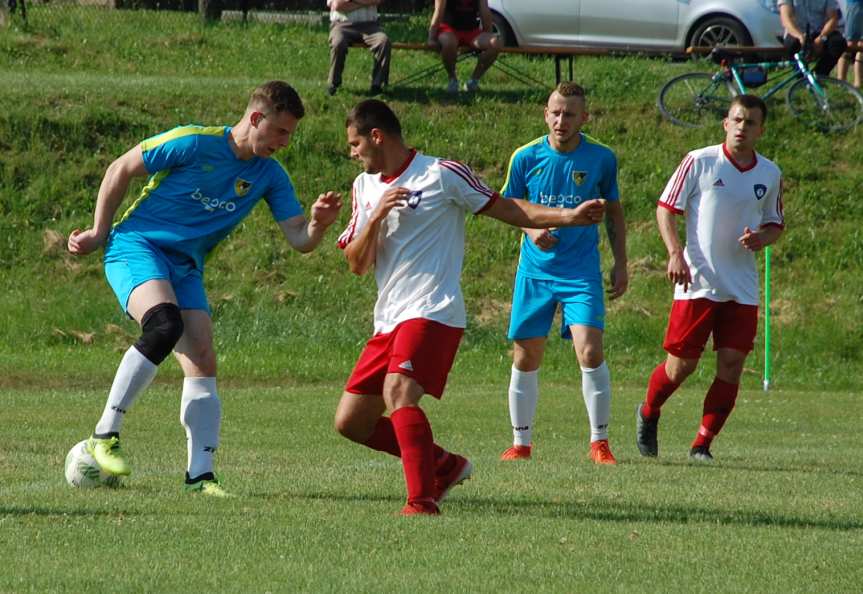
column 201, row 416
column 596, row 387
column 133, row 375
column 523, row 394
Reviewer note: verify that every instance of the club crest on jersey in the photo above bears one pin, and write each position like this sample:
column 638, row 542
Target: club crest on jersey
column 242, row 187
column 414, row 198
column 760, row 190
column 579, row 176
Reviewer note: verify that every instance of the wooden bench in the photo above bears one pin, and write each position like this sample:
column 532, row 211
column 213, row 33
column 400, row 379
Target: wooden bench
column 558, row 53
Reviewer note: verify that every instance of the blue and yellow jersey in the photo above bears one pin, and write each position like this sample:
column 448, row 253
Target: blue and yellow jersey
column 199, row 191
column 539, row 173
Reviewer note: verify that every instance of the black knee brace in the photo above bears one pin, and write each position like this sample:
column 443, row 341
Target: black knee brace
column 162, row 327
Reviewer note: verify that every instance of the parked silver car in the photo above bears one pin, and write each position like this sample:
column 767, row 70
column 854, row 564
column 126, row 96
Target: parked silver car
column 671, row 25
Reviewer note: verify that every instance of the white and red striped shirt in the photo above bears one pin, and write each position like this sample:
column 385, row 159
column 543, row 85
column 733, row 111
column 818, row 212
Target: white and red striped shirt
column 720, row 198
column 420, row 245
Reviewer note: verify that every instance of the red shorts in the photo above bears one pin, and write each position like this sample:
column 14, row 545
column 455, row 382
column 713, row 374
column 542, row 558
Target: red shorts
column 693, row 320
column 420, row 349
column 465, row 38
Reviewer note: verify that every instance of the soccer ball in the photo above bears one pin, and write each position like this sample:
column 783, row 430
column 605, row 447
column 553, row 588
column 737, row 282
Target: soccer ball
column 83, row 471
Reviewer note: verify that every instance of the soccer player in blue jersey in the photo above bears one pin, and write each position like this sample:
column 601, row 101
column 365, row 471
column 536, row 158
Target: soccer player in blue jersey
column 561, row 267
column 202, row 182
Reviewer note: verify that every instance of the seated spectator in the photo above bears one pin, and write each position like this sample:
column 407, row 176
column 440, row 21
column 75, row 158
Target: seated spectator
column 813, row 21
column 463, row 23
column 352, row 21
column 854, row 36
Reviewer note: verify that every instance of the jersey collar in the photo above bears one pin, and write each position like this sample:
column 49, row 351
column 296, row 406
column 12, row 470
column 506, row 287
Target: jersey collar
column 740, row 167
column 388, row 179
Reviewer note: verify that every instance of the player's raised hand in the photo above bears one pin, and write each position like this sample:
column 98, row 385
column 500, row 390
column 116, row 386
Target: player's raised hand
column 326, row 208
column 590, row 212
column 392, row 198
column 751, row 240
column 83, row 242
column 544, row 239
column 678, row 270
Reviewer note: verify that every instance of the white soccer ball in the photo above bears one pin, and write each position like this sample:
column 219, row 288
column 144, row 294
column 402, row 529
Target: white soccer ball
column 83, row 471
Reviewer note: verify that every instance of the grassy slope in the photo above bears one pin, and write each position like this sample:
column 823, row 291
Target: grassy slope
column 81, row 89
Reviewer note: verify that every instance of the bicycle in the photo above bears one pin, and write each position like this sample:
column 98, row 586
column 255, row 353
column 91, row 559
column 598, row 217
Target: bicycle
column 696, row 99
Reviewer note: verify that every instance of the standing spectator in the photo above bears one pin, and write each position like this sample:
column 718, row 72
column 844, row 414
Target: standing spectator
column 464, row 23
column 854, row 36
column 731, row 198
column 815, row 22
column 408, row 225
column 352, row 21
column 560, row 267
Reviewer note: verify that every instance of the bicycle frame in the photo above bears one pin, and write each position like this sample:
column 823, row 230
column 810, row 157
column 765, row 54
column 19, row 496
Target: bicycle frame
column 797, row 67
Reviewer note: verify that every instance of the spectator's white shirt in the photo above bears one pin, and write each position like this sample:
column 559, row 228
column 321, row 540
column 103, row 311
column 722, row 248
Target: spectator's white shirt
column 420, row 246
column 719, row 199
column 360, row 15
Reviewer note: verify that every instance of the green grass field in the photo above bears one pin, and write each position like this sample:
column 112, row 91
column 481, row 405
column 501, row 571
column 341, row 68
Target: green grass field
column 780, row 512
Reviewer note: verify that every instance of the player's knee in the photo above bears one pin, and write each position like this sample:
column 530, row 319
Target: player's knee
column 162, row 327
column 680, row 369
column 346, row 426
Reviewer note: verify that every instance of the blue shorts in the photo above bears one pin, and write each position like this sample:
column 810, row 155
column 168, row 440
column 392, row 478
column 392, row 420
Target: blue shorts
column 131, row 260
column 854, row 22
column 534, row 302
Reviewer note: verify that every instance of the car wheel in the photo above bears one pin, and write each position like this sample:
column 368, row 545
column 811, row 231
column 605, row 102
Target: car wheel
column 503, row 30
column 719, row 31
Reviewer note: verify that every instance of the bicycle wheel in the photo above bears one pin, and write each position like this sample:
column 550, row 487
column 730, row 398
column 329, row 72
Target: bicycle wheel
column 837, row 107
column 695, row 99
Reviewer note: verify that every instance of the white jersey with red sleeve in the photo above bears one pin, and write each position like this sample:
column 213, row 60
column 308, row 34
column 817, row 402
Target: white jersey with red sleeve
column 719, row 199
column 420, row 245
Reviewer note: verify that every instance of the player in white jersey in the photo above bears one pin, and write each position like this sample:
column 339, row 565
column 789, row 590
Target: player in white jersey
column 408, row 222
column 203, row 182
column 731, row 197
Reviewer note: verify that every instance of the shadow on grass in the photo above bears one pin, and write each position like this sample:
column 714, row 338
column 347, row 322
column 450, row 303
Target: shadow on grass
column 738, row 464
column 434, row 94
column 6, row 510
column 614, row 512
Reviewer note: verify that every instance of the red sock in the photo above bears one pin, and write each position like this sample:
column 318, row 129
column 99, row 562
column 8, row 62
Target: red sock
column 659, row 389
column 415, row 440
column 717, row 407
column 383, row 439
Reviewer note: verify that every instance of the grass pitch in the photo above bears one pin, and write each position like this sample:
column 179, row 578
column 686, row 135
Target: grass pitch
column 779, row 512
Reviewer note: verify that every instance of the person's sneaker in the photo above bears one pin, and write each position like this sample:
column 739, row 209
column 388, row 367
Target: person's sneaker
column 331, row 90
column 375, row 90
column 206, row 486
column 600, row 452
column 460, row 472
column 645, row 434
column 108, row 454
column 471, row 86
column 420, row 508
column 700, row 454
column 452, row 86
column 517, row 452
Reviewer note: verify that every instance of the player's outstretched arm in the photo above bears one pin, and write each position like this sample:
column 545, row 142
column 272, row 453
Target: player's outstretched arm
column 305, row 235
column 677, row 270
column 114, row 185
column 522, row 213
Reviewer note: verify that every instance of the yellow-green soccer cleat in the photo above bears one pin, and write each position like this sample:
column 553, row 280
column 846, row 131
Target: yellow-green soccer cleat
column 211, row 487
column 108, row 454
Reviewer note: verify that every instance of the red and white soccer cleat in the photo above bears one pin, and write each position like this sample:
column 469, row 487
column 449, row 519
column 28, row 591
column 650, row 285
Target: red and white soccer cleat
column 420, row 508
column 517, row 452
column 600, row 453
